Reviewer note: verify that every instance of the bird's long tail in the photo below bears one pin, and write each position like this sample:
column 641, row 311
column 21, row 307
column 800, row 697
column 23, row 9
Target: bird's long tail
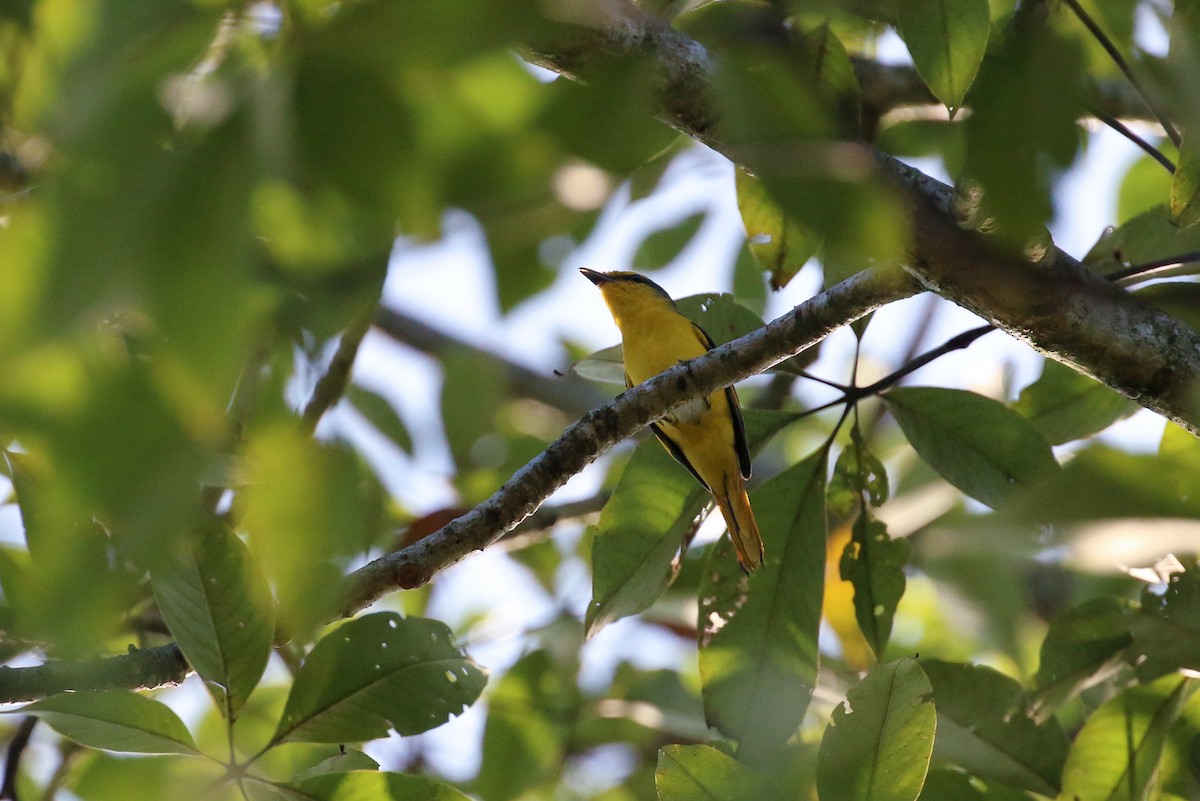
column 739, row 518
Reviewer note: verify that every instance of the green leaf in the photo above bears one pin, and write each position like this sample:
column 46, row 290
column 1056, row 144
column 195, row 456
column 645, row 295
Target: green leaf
column 720, row 315
column 779, row 245
column 1166, row 628
column 758, row 644
column 1148, row 237
column 115, row 721
column 530, row 714
column 1065, row 405
column 652, row 508
column 1185, row 185
column 372, row 785
column 1082, row 647
column 947, row 40
column 350, row 759
column 375, row 673
column 1116, row 754
column 217, row 605
column 858, row 476
column 983, row 727
column 606, row 365
column 663, row 246
column 381, row 414
column 874, row 563
column 698, row 773
column 976, row 443
column 878, row 745
column 474, row 387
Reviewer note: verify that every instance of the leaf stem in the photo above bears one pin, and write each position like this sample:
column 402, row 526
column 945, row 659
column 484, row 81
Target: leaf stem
column 1123, row 129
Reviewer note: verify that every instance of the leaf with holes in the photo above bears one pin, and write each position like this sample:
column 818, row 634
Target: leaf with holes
column 873, row 563
column 377, row 673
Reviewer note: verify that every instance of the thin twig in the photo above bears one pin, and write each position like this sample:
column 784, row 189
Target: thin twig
column 1123, row 130
column 1151, row 266
column 12, row 761
column 1123, row 65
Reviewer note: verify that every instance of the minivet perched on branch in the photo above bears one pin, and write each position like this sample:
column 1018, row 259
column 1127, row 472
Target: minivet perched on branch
column 705, row 435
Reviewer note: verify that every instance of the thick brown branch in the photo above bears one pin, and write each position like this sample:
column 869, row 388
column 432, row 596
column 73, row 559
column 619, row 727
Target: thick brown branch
column 150, row 667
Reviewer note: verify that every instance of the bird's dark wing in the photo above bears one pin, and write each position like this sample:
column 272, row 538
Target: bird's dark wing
column 672, row 446
column 735, row 412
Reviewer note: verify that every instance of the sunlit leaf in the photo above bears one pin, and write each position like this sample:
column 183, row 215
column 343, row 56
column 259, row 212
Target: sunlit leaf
column 1116, row 754
column 758, row 636
column 1185, row 185
column 779, row 245
column 115, row 721
column 377, row 673
column 878, row 745
column 698, row 773
column 975, row 443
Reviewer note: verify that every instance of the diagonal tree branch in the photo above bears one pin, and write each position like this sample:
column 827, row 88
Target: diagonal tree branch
column 1056, row 305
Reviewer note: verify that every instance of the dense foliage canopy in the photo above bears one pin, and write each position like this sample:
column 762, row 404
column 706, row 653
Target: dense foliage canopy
column 966, row 594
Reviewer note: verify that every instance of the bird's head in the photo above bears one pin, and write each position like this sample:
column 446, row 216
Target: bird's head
column 628, row 293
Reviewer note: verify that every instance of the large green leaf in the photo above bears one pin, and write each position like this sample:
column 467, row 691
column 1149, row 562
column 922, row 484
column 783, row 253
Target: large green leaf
column 1065, row 405
column 115, row 721
column 758, row 644
column 878, row 745
column 983, row 727
column 217, row 605
column 975, row 443
column 376, row 673
column 1116, row 755
column 371, row 785
column 947, row 40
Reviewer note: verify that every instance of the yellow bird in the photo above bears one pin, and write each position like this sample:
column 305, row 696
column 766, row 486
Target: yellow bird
column 706, row 435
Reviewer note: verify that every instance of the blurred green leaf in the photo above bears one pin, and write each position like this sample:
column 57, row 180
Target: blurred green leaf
column 218, row 606
column 350, row 759
column 877, row 746
column 873, row 563
column 1148, row 237
column 530, row 713
column 381, row 414
column 1166, row 628
column 105, row 776
column 1116, row 754
column 1147, row 184
column 377, row 673
column 779, row 245
column 115, row 721
column 1065, row 405
column 474, row 386
column 1038, row 71
column 1185, row 185
column 606, row 365
column 975, row 443
column 758, row 644
column 360, row 785
column 925, row 138
column 984, row 728
column 1082, row 646
column 947, row 40
column 662, row 247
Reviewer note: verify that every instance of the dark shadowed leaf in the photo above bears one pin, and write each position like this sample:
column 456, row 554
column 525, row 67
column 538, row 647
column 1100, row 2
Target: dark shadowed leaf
column 975, row 443
column 381, row 414
column 1166, row 628
column 1083, row 646
column 115, row 721
column 984, row 728
column 1065, row 405
column 1185, row 186
column 661, row 247
column 874, row 564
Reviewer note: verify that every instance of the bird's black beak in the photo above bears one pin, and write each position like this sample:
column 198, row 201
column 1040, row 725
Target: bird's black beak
column 595, row 277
